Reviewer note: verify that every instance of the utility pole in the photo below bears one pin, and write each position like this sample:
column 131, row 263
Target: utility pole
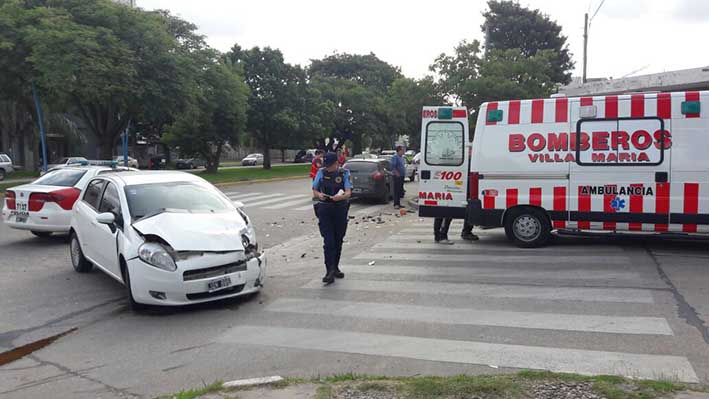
column 585, row 45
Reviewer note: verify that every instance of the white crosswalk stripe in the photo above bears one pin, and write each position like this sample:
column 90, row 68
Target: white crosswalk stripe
column 301, row 200
column 271, row 200
column 440, row 315
column 621, row 295
column 502, row 273
column 239, row 197
column 467, row 352
column 472, row 258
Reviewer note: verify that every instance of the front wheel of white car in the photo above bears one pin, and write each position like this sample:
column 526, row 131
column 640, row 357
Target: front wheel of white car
column 78, row 261
column 135, row 306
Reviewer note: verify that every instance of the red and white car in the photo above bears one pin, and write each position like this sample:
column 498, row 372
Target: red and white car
column 44, row 206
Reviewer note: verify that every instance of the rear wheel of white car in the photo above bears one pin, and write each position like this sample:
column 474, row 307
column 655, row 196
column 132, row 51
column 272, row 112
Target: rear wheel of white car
column 78, row 261
column 135, row 306
column 528, row 227
column 42, row 234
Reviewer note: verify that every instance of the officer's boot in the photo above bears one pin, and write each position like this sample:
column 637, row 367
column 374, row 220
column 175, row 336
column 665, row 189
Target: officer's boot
column 329, row 274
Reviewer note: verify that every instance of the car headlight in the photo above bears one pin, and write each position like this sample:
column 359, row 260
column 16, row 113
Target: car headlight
column 248, row 240
column 157, row 255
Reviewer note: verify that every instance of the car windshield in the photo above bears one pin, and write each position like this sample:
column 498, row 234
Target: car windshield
column 253, row 155
column 150, row 199
column 61, row 178
column 60, row 161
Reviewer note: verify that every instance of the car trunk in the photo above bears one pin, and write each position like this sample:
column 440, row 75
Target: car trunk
column 366, row 178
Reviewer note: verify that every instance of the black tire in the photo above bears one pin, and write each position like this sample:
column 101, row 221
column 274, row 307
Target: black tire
column 41, row 234
column 135, row 306
column 528, row 227
column 78, row 261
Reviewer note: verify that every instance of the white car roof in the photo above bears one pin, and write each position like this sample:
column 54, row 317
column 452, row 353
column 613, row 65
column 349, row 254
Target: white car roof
column 156, row 176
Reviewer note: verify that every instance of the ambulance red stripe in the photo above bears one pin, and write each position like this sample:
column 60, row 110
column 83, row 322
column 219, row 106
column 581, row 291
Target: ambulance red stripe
column 559, row 205
column 584, row 206
column 490, row 107
column 611, row 106
column 692, row 96
column 586, row 101
column 636, row 206
column 535, row 196
column 562, row 110
column 637, row 105
column 488, row 202
column 662, row 203
column 429, row 202
column 460, row 113
column 664, row 105
column 608, row 208
column 537, row 111
column 691, row 204
column 515, row 107
column 512, row 197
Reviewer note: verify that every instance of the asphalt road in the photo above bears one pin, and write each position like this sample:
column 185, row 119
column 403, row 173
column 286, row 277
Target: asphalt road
column 586, row 305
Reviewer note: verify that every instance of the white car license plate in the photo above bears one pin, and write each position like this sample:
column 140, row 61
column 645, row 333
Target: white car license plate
column 356, row 190
column 21, row 217
column 219, row 284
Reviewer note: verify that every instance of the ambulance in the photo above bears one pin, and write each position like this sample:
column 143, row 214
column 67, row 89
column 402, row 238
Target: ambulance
column 636, row 163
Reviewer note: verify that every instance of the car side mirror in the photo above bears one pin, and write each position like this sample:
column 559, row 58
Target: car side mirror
column 106, row 218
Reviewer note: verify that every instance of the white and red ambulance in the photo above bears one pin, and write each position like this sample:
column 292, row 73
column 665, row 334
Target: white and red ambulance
column 627, row 163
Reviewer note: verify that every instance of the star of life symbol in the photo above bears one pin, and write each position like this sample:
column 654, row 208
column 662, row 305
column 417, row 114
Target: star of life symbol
column 617, row 203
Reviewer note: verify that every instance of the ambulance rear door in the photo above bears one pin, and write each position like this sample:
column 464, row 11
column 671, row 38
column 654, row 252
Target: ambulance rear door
column 445, row 148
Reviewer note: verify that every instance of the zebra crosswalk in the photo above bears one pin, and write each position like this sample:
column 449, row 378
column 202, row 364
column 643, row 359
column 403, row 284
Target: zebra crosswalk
column 297, row 202
column 568, row 309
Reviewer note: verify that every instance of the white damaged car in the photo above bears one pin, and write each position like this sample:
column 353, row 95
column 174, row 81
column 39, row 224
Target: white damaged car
column 171, row 238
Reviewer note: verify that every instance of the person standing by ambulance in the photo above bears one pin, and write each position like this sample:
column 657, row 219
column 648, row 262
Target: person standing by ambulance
column 398, row 168
column 332, row 187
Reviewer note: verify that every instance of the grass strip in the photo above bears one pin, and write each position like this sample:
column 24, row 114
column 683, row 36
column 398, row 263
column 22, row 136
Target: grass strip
column 256, row 173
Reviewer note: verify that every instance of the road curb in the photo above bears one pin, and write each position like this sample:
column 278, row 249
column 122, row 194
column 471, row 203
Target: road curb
column 251, row 382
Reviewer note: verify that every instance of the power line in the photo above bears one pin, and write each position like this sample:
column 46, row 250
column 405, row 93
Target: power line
column 597, row 9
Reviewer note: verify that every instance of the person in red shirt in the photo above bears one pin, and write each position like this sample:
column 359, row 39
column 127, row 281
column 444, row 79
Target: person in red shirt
column 316, row 164
column 341, row 158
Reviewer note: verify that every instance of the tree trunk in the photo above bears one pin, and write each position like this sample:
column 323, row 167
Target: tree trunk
column 266, row 156
column 283, row 155
column 356, row 144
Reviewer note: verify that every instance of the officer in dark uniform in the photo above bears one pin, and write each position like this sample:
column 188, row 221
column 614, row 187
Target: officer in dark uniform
column 332, row 188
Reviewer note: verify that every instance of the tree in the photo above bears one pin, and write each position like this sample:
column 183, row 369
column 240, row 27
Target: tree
column 405, row 100
column 510, row 26
column 357, row 86
column 472, row 78
column 106, row 63
column 216, row 117
column 274, row 115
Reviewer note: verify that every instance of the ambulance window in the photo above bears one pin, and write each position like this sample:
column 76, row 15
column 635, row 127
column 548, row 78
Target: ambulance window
column 620, row 142
column 444, row 143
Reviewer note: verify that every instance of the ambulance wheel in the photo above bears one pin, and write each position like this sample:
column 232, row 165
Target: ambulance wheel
column 528, row 227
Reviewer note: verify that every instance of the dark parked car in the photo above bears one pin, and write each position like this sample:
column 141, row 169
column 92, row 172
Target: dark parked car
column 370, row 178
column 189, row 163
column 304, row 156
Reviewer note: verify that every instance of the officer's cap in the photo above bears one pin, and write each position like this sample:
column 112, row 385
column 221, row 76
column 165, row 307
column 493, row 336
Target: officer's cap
column 330, row 159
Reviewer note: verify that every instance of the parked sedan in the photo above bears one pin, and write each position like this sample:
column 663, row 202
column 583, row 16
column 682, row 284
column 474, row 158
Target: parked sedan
column 68, row 161
column 170, row 237
column 370, row 178
column 132, row 162
column 252, row 160
column 5, row 165
column 44, row 206
column 189, row 163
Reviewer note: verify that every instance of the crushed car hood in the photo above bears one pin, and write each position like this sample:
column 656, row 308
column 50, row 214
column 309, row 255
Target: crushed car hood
column 196, row 231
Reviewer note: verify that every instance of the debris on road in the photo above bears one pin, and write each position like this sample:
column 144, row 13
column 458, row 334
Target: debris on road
column 372, row 263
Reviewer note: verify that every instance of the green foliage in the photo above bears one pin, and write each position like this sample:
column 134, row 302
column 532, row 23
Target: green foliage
column 367, row 70
column 216, row 118
column 473, row 78
column 104, row 62
column 284, row 111
column 406, row 98
column 196, row 393
column 511, row 26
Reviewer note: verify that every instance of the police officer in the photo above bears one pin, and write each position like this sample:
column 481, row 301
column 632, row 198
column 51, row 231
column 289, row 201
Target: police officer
column 332, row 188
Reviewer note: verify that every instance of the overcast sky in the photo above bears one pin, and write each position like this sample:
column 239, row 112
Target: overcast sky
column 625, row 36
